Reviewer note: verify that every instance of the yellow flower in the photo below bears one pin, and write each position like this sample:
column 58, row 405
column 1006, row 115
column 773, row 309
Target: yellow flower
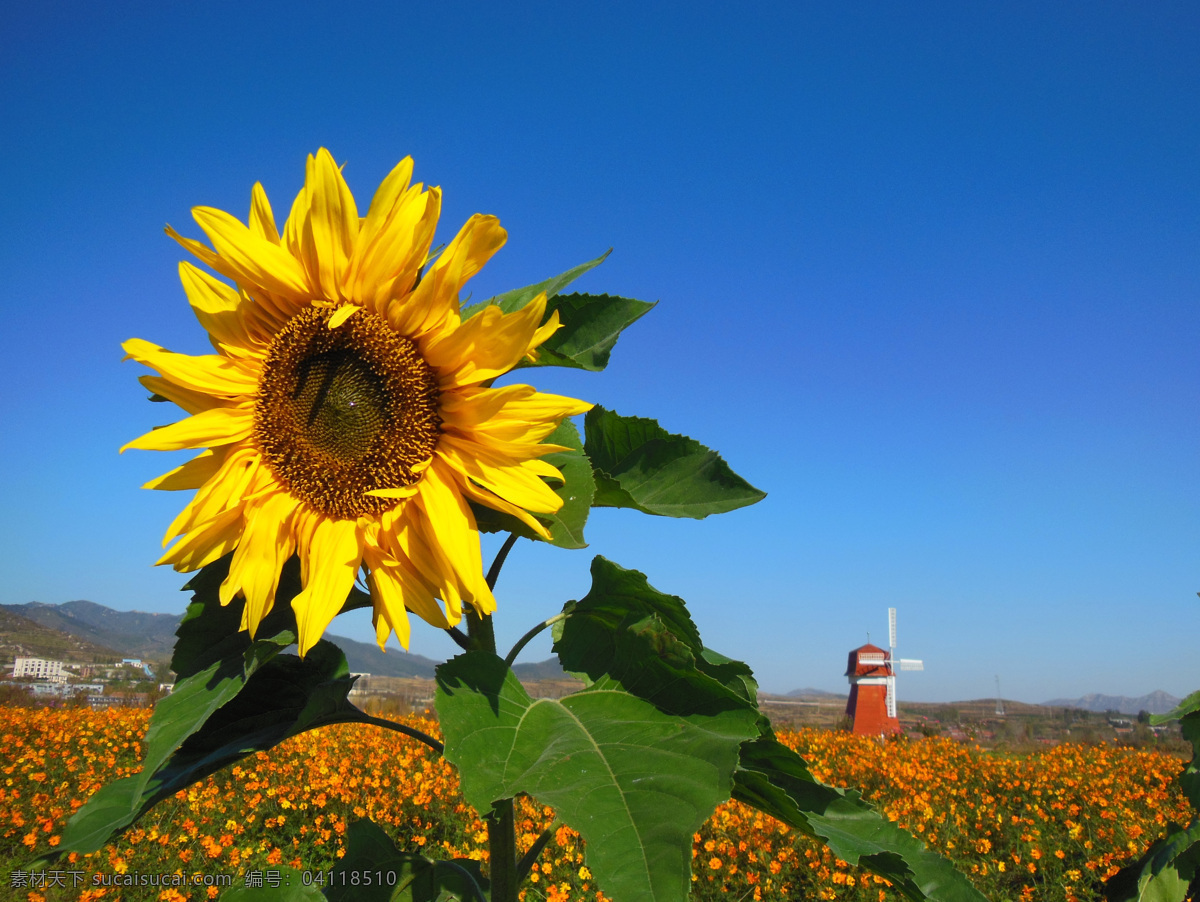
column 348, row 414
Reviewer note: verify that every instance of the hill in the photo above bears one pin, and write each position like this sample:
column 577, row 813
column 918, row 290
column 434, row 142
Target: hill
column 1157, row 702
column 815, row 693
column 22, row 637
column 83, row 631
column 135, row 634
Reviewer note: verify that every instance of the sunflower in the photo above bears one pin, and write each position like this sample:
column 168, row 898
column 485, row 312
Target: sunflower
column 348, row 414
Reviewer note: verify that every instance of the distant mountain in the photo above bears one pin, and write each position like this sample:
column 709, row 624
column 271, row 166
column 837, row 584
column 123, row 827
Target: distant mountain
column 550, row 669
column 21, row 637
column 1157, row 702
column 365, row 657
column 134, row 634
column 84, row 631
column 815, row 693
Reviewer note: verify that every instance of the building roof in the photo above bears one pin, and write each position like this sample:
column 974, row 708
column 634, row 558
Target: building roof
column 856, row 666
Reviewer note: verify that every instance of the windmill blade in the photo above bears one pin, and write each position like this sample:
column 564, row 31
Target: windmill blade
column 892, row 627
column 891, row 696
column 911, row 664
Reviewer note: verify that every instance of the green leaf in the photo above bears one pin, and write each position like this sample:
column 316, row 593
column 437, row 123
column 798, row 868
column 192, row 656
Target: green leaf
column 576, row 491
column 291, row 887
column 234, row 697
column 1168, row 872
column 634, row 782
column 397, row 876
column 591, row 325
column 1184, row 708
column 519, row 297
column 175, row 718
column 640, row 465
column 774, row 779
column 626, row 632
column 211, row 631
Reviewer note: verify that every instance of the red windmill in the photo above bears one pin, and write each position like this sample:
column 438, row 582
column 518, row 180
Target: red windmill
column 872, row 703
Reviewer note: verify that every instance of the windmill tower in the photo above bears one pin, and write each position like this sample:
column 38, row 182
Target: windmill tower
column 872, row 674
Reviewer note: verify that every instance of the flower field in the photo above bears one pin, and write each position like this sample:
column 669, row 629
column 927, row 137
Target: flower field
column 1045, row 826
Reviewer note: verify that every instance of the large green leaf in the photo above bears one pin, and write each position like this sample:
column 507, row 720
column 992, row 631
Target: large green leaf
column 196, row 698
column 374, row 870
column 625, row 632
column 519, row 297
column 1169, row 871
column 591, row 325
column 634, row 782
column 576, row 491
column 774, row 779
column 640, row 465
column 234, row 696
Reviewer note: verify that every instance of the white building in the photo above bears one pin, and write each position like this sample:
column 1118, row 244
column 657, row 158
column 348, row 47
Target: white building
column 39, row 669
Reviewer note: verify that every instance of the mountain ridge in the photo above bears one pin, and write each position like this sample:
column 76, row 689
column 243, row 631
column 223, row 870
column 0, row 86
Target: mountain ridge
column 90, row 629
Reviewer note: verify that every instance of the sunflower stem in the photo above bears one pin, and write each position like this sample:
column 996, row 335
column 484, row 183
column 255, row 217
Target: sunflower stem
column 502, row 845
column 407, row 731
column 493, row 573
column 524, row 640
column 459, row 637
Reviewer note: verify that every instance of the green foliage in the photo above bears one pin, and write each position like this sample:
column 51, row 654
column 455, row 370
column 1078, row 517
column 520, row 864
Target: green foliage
column 664, row 730
column 519, row 297
column 627, row 634
column 235, row 696
column 591, row 325
column 640, row 465
column 634, row 782
column 1169, row 871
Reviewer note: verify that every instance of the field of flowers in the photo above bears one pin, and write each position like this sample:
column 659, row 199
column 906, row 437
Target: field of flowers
column 1045, row 826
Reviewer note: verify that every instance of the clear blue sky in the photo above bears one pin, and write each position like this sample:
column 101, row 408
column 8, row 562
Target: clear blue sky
column 928, row 276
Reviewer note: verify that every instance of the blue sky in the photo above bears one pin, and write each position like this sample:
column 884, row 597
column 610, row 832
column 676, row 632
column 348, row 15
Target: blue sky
column 928, row 276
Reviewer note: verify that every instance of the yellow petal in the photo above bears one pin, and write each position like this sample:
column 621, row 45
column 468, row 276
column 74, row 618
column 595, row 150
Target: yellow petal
column 209, row 373
column 392, row 241
column 514, row 481
column 193, row 474
column 432, row 308
column 229, row 487
column 329, row 561
column 267, row 543
column 332, row 225
column 487, row 345
column 452, row 539
column 342, row 314
column 262, row 220
column 514, row 413
column 189, row 400
column 251, row 259
column 202, row 546
column 218, row 426
column 494, row 501
column 223, row 313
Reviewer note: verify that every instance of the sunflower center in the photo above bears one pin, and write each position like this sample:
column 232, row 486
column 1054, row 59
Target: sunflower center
column 341, row 412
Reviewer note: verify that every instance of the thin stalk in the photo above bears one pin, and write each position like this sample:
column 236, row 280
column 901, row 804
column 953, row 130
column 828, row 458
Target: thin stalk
column 460, row 638
column 494, row 571
column 407, row 731
column 526, row 863
column 525, row 640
